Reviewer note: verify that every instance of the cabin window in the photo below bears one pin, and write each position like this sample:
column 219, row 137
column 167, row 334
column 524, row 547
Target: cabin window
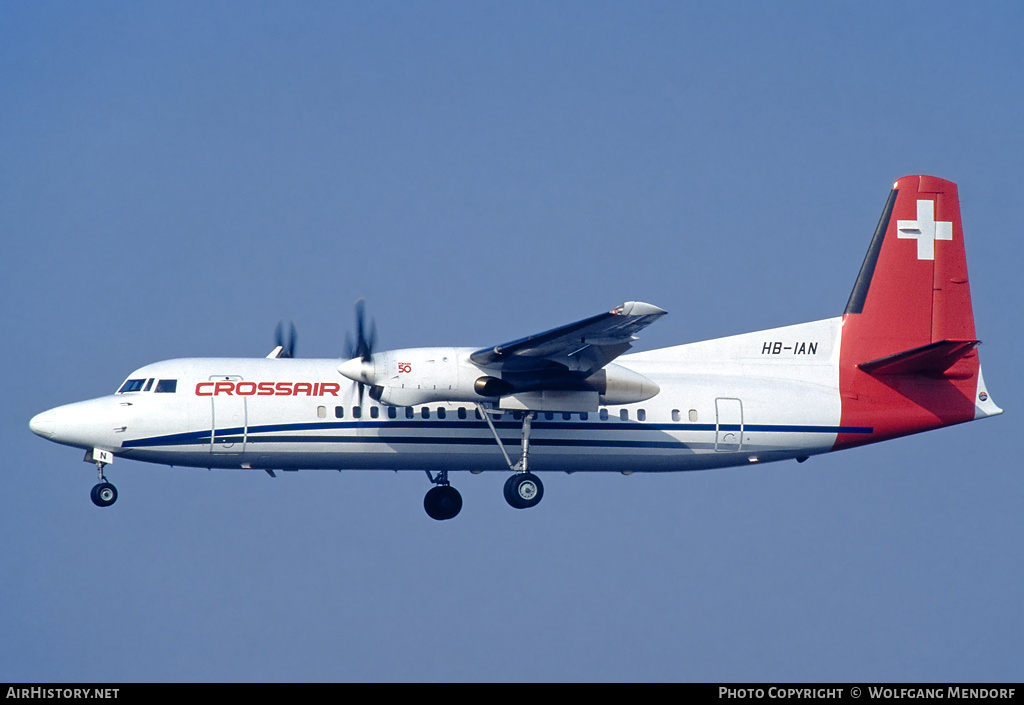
column 392, row 412
column 425, row 412
column 584, row 416
column 132, row 385
column 624, row 414
column 168, row 386
column 566, row 415
column 478, row 416
column 339, row 412
column 374, row 412
column 321, row 412
column 641, row 415
column 675, row 415
column 410, row 412
column 441, row 413
column 603, row 414
column 461, row 412
column 549, row 415
column 357, row 412
column 693, row 414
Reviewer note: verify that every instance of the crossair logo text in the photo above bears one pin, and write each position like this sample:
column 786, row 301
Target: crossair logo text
column 267, row 389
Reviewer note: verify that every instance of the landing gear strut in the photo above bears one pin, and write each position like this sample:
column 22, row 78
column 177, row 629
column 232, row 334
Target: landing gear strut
column 442, row 501
column 523, row 489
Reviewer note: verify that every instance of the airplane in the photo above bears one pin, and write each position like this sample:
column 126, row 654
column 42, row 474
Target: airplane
column 901, row 359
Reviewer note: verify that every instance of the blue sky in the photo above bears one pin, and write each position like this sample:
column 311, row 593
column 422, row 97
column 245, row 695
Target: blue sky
column 175, row 178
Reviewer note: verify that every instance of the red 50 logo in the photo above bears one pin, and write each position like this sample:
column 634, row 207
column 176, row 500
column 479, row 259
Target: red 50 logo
column 404, row 367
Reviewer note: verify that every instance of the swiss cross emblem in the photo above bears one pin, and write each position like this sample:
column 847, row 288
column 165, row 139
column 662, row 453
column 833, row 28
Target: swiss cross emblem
column 925, row 230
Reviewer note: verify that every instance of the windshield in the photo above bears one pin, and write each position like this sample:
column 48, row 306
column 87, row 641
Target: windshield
column 132, row 385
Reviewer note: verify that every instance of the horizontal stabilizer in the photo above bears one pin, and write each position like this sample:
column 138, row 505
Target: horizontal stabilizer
column 934, row 358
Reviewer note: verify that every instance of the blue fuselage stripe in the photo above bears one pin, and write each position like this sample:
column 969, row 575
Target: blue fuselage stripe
column 269, row 433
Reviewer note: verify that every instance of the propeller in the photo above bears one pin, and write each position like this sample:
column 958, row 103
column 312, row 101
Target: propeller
column 287, row 347
column 366, row 339
column 359, row 368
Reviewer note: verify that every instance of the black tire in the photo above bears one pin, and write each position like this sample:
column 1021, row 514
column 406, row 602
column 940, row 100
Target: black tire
column 103, row 494
column 443, row 502
column 523, row 490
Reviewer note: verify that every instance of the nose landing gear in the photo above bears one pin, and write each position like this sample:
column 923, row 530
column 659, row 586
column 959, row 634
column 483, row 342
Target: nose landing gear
column 104, row 494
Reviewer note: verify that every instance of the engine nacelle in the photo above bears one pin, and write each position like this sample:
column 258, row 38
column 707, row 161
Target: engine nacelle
column 617, row 385
column 417, row 376
column 427, row 375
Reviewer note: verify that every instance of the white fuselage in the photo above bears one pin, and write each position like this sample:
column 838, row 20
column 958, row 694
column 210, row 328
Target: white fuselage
column 758, row 397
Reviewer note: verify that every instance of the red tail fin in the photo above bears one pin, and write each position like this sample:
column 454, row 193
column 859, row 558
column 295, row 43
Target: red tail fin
column 908, row 361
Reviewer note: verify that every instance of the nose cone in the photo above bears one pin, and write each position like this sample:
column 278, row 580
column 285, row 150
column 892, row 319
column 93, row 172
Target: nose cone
column 86, row 424
column 44, row 424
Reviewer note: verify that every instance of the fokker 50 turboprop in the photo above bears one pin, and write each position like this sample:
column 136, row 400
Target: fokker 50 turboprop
column 901, row 359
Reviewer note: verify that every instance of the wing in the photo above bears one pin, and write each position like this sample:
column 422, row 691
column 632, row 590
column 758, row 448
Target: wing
column 581, row 348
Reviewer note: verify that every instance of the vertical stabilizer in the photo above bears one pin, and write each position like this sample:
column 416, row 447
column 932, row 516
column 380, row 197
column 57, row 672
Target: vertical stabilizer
column 908, row 358
column 913, row 288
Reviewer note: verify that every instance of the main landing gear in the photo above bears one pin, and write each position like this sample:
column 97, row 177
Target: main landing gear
column 442, row 501
column 522, row 490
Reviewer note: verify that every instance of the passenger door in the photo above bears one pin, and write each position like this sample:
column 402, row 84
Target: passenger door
column 228, row 418
column 728, row 425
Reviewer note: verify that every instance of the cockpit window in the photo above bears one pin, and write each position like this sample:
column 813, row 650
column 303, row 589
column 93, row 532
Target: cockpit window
column 132, row 385
column 167, row 385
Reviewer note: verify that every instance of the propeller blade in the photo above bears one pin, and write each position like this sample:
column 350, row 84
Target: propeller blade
column 287, row 346
column 371, row 341
column 366, row 337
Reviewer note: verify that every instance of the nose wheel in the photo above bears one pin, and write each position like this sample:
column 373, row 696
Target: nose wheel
column 104, row 494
